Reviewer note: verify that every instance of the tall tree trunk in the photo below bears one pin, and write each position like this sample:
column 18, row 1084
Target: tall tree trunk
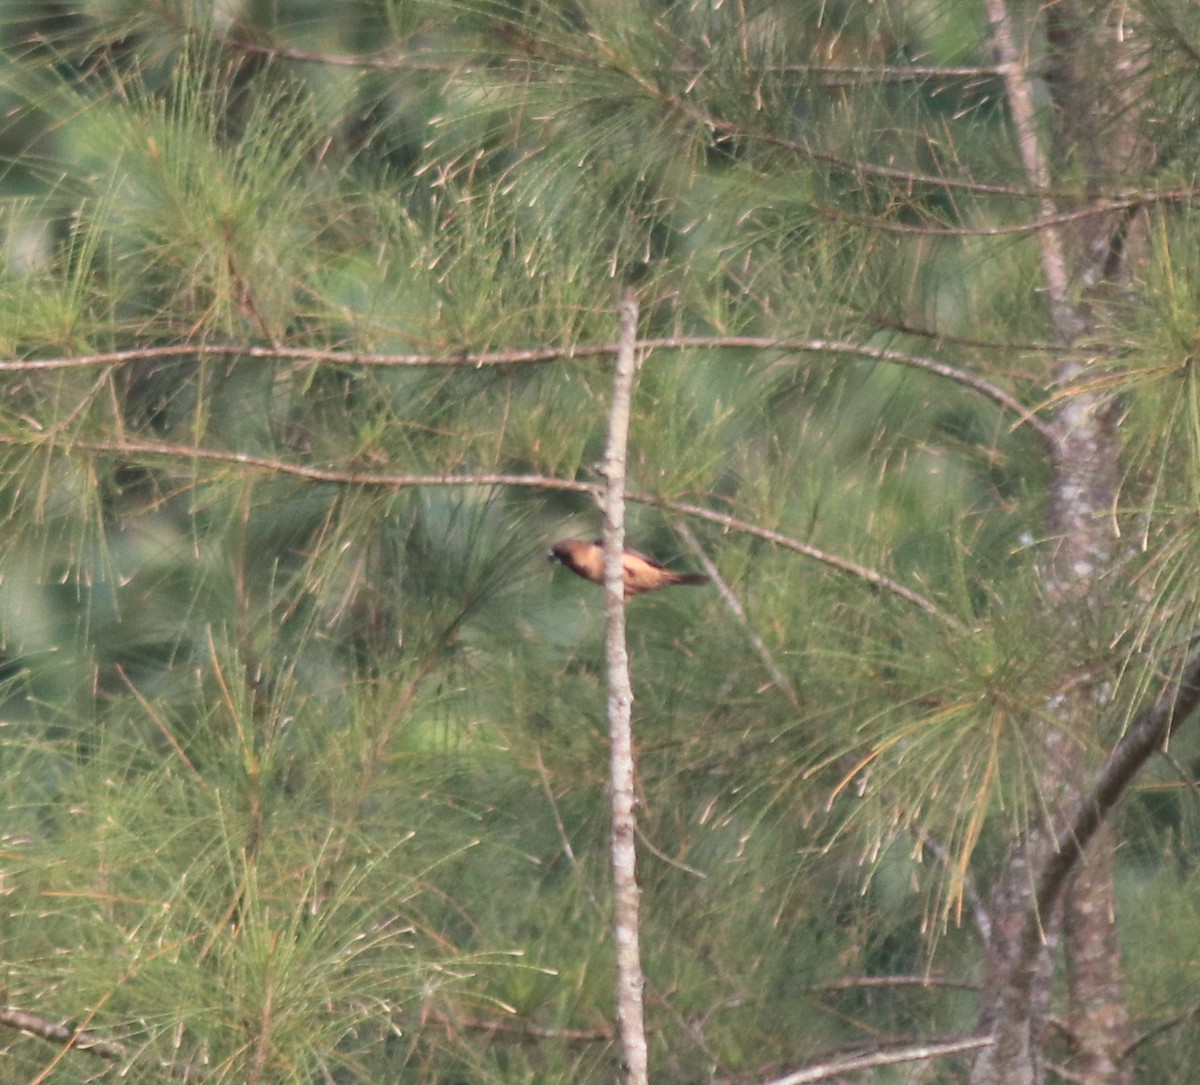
column 1090, row 136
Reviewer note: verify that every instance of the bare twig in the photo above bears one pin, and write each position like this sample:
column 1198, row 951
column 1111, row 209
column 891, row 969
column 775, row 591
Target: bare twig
column 163, row 727
column 309, row 356
column 890, row 1057
column 192, row 455
column 392, row 60
column 855, row 983
column 398, row 59
column 662, row 856
column 541, row 355
column 1033, row 225
column 886, row 73
column 518, row 1030
column 1185, row 776
column 568, row 850
column 83, row 1040
column 888, row 322
column 44, row 1029
column 835, row 561
column 970, row 892
column 739, row 612
column 1149, row 730
column 626, row 903
column 1164, row 1026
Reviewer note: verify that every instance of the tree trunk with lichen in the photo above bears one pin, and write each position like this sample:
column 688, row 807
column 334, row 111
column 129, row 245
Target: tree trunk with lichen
column 1089, row 135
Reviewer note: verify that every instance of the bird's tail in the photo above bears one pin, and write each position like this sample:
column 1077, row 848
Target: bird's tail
column 692, row 578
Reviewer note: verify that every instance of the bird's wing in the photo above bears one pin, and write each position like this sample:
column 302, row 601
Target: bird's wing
column 629, row 552
column 646, row 558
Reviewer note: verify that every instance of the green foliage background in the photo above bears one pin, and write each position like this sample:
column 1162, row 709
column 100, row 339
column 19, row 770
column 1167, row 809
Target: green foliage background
column 306, row 767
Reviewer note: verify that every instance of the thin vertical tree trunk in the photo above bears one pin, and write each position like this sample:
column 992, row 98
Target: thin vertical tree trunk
column 1100, row 130
column 626, row 895
column 1092, row 125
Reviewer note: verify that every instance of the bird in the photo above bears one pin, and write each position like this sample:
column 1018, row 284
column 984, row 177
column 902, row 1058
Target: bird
column 640, row 573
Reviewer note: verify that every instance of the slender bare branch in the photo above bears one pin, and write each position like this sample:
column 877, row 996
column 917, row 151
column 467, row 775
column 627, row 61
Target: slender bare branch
column 888, row 322
column 350, row 477
column 518, row 1030
column 541, row 355
column 890, row 1057
column 906, row 177
column 845, row 565
column 1186, row 779
column 739, row 612
column 309, row 472
column 855, row 167
column 1164, row 1026
column 970, row 892
column 86, row 1041
column 1147, row 732
column 888, row 73
column 855, row 983
column 398, row 59
column 310, row 355
column 626, row 895
column 940, row 369
column 392, row 60
column 45, row 1029
column 1028, row 226
column 563, row 835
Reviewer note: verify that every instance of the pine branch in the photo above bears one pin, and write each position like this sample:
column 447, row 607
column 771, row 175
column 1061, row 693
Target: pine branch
column 862, row 572
column 541, row 355
column 1146, row 734
column 350, row 477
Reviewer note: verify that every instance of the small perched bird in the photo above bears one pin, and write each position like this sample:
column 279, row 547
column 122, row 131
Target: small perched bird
column 641, row 574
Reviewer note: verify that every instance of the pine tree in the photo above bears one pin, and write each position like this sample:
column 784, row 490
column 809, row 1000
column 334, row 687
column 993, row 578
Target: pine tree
column 308, row 326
